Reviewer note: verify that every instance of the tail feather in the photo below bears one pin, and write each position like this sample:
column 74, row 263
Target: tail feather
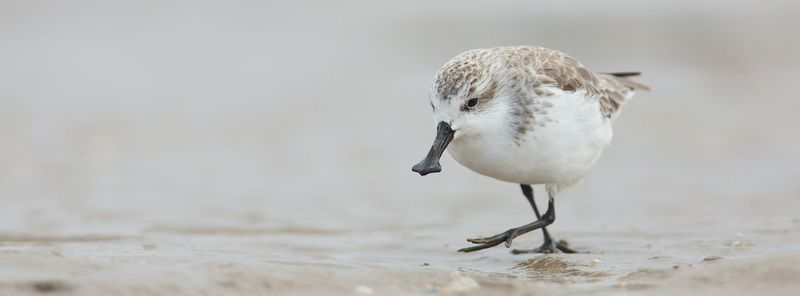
column 616, row 90
column 633, row 84
column 624, row 74
column 622, row 77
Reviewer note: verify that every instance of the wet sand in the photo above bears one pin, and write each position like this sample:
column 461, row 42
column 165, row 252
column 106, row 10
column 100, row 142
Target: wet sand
column 381, row 261
column 152, row 149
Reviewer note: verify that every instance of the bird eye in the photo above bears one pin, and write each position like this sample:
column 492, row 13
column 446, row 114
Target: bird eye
column 472, row 103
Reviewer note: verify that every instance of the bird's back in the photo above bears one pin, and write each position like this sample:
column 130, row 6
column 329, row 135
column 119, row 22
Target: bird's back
column 554, row 68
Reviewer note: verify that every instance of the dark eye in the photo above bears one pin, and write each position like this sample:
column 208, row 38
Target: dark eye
column 472, row 103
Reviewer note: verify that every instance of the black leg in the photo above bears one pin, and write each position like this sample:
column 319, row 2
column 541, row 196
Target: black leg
column 507, row 236
column 549, row 245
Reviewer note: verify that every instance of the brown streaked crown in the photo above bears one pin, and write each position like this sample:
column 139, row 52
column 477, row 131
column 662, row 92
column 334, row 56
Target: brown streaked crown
column 464, row 70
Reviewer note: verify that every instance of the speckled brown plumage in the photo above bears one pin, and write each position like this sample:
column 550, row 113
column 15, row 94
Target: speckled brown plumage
column 531, row 71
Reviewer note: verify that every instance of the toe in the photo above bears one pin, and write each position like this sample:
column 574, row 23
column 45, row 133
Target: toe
column 477, row 240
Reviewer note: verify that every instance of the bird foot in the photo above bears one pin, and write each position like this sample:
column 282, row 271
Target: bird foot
column 548, row 247
column 488, row 242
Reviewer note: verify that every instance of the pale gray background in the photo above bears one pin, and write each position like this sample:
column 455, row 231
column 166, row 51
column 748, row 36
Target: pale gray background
column 132, row 118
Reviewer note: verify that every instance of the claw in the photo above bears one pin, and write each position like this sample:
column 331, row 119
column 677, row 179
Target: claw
column 495, row 239
column 470, row 249
column 564, row 247
column 480, row 246
column 548, row 248
column 511, row 237
column 482, row 240
column 488, row 242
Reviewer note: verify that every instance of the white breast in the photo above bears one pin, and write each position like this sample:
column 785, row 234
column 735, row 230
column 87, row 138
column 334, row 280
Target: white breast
column 567, row 137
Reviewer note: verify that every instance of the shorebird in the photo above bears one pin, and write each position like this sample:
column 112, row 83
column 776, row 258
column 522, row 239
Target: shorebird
column 525, row 115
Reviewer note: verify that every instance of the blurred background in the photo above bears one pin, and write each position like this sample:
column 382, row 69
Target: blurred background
column 300, row 120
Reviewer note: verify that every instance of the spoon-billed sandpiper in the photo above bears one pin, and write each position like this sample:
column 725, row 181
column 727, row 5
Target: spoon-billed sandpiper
column 527, row 115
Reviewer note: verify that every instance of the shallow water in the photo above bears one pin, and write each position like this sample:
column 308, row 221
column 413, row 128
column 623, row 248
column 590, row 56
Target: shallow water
column 266, row 148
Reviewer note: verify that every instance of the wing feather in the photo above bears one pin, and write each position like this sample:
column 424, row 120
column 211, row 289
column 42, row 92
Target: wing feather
column 554, row 68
